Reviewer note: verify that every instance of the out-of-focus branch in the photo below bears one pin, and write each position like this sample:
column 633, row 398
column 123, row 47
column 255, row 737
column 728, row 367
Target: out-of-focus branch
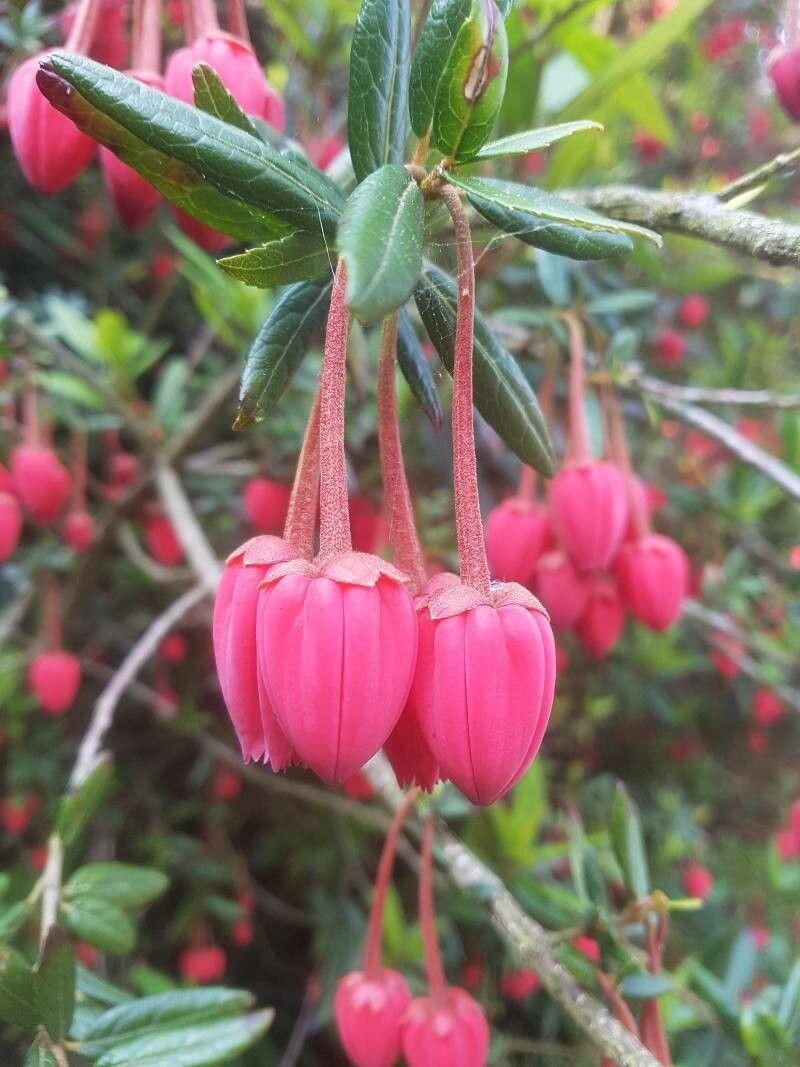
column 698, row 215
column 750, row 182
column 692, row 394
column 528, row 941
column 188, row 530
column 721, row 431
column 90, row 748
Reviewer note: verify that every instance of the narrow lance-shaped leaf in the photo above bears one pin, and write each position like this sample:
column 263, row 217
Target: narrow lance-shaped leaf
column 536, row 204
column 280, row 262
column 78, row 807
column 520, row 144
column 380, row 240
column 211, row 96
column 417, row 370
column 502, row 393
column 161, row 1013
column 215, row 171
column 628, row 844
column 199, row 1045
column 377, row 109
column 279, row 348
column 471, row 84
column 39, row 1057
column 55, row 984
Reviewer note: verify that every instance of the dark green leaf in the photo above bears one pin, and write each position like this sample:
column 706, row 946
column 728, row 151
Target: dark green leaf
column 193, row 1046
column 215, row 172
column 741, row 966
column 554, row 274
column 18, row 1003
column 622, row 303
column 417, row 371
column 377, row 109
column 628, row 845
column 100, row 923
column 122, row 883
column 162, row 1013
column 766, row 1040
column 55, row 984
column 555, row 237
column 13, row 918
column 445, row 19
column 532, row 203
column 280, row 262
column 380, row 240
column 503, row 394
column 472, row 84
column 520, row 144
column 279, row 348
column 96, row 988
column 211, row 96
column 76, row 809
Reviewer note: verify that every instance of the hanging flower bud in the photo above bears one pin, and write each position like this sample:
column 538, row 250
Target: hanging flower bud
column 49, row 147
column 134, row 198
column 519, row 985
column 110, row 45
column 517, row 532
column 670, row 348
column 41, row 483
column 54, row 678
column 369, row 1004
column 783, row 67
column 653, row 578
column 768, row 708
column 266, row 504
column 123, row 469
column 234, row 628
column 447, row 1027
column 79, row 530
column 693, row 311
column 6, row 481
column 238, row 70
column 203, row 965
column 173, row 648
column 562, row 589
column 697, row 881
column 162, row 541
column 603, row 619
column 588, row 498
column 337, row 638
column 10, row 525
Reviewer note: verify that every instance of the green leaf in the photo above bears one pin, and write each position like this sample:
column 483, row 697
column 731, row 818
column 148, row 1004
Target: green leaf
column 557, row 238
column 18, row 1001
column 211, row 96
column 280, row 262
column 192, row 1046
column 471, row 84
column 766, row 1039
column 380, row 240
column 741, row 966
column 644, row 986
column 96, row 988
column 216, row 172
column 279, row 348
column 532, row 203
column 377, row 109
column 789, row 1009
column 520, row 144
column 76, row 809
column 100, row 923
column 417, row 370
column 503, row 394
column 162, row 1013
column 445, row 19
column 12, row 918
column 124, row 884
column 55, row 984
column 622, row 303
column 627, row 842
column 555, row 275
column 39, row 1057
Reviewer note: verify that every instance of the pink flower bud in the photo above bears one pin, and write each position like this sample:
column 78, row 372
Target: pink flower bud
column 54, row 679
column 266, row 504
column 588, row 946
column 484, row 683
column 589, row 504
column 41, row 483
column 562, row 589
column 407, row 750
column 123, row 468
column 49, row 147
column 519, row 985
column 235, row 651
column 694, row 311
column 368, row 1013
column 768, row 708
column 603, row 619
column 110, row 42
column 10, row 525
column 17, row 812
column 449, row 1030
column 670, row 348
column 238, row 70
column 653, row 578
column 162, row 541
column 79, row 530
column 6, row 481
column 173, row 648
column 517, row 532
column 204, row 965
column 337, row 644
column 134, row 198
column 697, row 881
